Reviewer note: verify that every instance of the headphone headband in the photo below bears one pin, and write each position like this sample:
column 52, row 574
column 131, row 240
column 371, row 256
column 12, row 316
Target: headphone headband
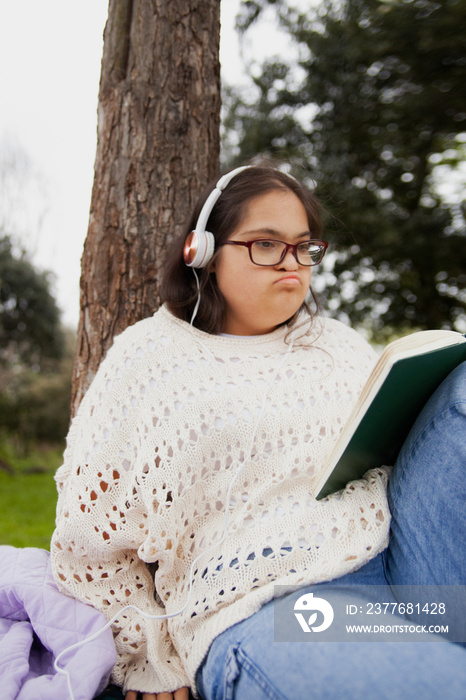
column 200, row 244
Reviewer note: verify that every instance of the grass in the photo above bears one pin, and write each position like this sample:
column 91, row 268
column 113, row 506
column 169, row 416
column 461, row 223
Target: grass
column 27, row 495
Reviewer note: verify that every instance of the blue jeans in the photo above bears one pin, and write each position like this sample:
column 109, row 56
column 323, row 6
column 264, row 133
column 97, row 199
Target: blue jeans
column 427, row 496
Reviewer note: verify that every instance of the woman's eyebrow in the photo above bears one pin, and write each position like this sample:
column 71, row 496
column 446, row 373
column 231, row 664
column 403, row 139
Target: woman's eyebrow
column 273, row 233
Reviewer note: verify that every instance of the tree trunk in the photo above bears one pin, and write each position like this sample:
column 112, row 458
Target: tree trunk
column 158, row 145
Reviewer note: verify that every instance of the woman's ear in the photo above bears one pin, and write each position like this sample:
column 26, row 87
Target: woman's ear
column 211, row 267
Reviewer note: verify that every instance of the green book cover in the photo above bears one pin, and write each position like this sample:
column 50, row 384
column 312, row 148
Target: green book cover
column 385, row 425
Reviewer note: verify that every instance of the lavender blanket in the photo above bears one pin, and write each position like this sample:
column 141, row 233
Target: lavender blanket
column 37, row 622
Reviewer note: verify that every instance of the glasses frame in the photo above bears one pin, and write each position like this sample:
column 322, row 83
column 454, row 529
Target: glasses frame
column 288, row 246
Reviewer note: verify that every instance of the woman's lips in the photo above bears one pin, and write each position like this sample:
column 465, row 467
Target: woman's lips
column 291, row 280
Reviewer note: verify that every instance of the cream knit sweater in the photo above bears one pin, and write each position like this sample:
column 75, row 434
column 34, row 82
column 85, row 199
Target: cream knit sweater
column 165, row 426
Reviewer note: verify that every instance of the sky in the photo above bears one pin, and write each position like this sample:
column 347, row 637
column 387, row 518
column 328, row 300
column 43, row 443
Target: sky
column 50, row 54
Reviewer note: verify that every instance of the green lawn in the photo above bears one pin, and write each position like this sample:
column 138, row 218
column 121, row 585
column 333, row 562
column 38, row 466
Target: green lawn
column 28, row 500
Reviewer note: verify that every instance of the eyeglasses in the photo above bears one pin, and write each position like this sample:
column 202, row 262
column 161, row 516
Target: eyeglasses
column 268, row 252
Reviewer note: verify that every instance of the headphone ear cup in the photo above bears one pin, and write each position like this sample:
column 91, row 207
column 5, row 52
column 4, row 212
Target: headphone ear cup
column 198, row 249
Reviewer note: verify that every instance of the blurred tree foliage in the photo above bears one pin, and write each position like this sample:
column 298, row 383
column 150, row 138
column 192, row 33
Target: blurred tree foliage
column 35, row 407
column 374, row 106
column 35, row 354
column 30, row 329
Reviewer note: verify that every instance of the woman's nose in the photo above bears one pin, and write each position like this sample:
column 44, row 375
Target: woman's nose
column 289, row 262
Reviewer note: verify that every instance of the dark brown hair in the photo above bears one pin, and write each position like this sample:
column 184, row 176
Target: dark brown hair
column 178, row 287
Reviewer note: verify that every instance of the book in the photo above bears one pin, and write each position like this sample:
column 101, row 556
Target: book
column 404, row 377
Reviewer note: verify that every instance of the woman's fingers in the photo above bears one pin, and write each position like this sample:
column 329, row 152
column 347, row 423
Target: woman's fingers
column 182, row 694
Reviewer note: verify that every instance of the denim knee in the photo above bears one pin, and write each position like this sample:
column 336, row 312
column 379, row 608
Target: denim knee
column 452, row 391
column 445, row 410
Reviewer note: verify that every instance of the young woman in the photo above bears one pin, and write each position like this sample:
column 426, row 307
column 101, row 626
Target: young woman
column 193, row 456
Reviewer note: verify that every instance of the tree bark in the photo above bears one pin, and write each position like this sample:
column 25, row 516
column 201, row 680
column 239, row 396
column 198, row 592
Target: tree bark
column 158, row 145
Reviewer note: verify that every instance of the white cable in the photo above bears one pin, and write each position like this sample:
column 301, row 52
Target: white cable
column 198, row 302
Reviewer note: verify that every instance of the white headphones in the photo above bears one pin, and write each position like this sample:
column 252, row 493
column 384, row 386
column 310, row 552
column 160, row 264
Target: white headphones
column 200, row 244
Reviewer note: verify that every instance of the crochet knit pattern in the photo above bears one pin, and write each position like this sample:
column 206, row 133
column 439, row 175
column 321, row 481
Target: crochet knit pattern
column 151, row 454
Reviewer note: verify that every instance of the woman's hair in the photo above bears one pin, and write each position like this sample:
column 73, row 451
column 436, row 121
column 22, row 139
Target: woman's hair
column 179, row 288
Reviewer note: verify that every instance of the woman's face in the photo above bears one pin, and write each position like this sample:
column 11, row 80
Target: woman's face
column 258, row 299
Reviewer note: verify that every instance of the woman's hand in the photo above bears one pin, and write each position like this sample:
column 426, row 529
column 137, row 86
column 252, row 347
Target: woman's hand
column 180, row 694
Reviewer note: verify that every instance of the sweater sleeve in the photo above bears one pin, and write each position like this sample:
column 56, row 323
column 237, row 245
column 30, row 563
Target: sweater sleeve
column 100, row 526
